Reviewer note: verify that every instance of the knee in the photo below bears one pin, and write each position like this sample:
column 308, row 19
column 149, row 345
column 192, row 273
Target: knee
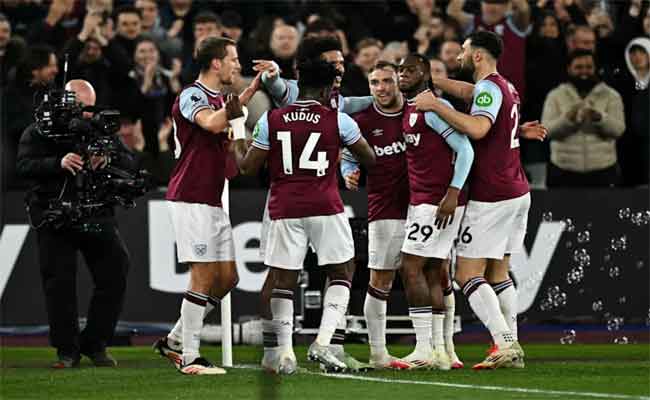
column 382, row 280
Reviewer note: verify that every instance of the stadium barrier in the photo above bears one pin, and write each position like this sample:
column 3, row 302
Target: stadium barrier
column 585, row 260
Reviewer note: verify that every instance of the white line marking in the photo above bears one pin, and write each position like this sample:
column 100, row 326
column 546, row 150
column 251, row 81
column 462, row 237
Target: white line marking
column 466, row 386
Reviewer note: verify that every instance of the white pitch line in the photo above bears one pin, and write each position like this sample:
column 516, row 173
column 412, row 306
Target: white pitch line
column 467, row 386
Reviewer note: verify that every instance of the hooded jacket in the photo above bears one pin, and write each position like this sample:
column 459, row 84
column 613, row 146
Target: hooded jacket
column 641, row 81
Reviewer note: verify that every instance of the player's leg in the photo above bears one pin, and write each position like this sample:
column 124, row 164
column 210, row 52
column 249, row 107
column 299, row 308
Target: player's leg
column 385, row 238
column 331, row 237
column 374, row 310
column 278, row 315
column 481, row 238
column 419, row 300
column 449, row 301
column 432, row 272
column 285, row 252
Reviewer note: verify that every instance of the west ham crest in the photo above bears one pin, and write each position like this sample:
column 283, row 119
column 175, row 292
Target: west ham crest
column 413, row 118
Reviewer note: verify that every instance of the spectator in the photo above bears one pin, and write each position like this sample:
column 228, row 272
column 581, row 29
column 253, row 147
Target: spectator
column 11, row 51
column 129, row 28
column 584, row 118
column 151, row 20
column 439, row 71
column 545, row 47
column 449, row 52
column 204, row 24
column 322, row 27
column 160, row 165
column 430, row 35
column 157, row 88
column 635, row 144
column 283, row 46
column 177, row 16
column 61, row 23
column 34, row 73
column 581, row 37
column 93, row 58
column 232, row 25
column 512, row 27
column 394, row 52
column 367, row 54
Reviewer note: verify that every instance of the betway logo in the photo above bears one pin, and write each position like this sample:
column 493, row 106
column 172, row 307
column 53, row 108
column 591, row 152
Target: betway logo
column 412, row 138
column 528, row 269
column 395, row 148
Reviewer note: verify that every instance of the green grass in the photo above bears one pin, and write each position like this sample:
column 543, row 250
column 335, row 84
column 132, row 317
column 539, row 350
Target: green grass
column 604, row 369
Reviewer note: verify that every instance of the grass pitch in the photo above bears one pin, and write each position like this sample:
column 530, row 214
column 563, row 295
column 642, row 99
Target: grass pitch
column 552, row 372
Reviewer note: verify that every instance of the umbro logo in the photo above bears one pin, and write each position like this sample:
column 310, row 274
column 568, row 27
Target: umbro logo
column 377, row 132
column 200, row 249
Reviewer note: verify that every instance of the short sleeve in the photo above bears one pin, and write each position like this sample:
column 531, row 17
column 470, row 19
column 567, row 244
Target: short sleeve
column 486, row 99
column 261, row 133
column 348, row 129
column 192, row 100
column 438, row 124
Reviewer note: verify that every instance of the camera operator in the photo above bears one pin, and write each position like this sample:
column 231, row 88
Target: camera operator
column 53, row 167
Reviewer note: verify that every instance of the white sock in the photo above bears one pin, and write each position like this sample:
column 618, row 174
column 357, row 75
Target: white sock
column 508, row 303
column 422, row 324
column 282, row 311
column 335, row 305
column 192, row 311
column 176, row 334
column 374, row 309
column 485, row 304
column 338, row 339
column 438, row 322
column 450, row 314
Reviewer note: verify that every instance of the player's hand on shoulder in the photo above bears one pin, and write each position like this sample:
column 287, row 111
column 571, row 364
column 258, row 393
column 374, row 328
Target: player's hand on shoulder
column 425, row 101
column 447, row 208
column 533, row 130
column 352, row 180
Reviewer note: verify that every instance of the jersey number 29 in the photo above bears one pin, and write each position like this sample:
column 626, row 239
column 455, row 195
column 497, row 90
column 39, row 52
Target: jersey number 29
column 321, row 163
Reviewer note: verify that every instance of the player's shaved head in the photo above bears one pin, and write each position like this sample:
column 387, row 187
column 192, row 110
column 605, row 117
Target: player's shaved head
column 414, row 74
column 83, row 90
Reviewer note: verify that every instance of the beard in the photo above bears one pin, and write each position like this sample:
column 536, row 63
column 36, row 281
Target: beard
column 467, row 68
column 583, row 85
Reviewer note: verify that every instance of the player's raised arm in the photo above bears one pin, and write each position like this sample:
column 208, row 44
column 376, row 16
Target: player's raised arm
column 351, row 105
column 283, row 91
column 252, row 159
column 352, row 139
column 459, row 89
column 485, row 107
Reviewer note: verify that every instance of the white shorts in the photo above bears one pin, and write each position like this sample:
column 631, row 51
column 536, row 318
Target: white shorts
column 423, row 238
column 385, row 238
column 266, row 221
column 491, row 230
column 203, row 233
column 288, row 240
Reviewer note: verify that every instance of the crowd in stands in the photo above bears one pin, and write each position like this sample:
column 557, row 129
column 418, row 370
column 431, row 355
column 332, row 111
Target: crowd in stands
column 581, row 66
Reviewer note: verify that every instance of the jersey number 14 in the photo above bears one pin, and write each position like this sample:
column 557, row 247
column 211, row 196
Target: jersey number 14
column 305, row 162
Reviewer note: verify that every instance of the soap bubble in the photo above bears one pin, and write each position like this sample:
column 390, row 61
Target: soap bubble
column 640, row 264
column 614, row 323
column 569, row 244
column 570, row 227
column 569, row 337
column 618, row 244
column 621, row 340
column 597, row 305
column 614, row 272
column 624, row 213
column 622, row 300
column 584, row 237
column 547, row 216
